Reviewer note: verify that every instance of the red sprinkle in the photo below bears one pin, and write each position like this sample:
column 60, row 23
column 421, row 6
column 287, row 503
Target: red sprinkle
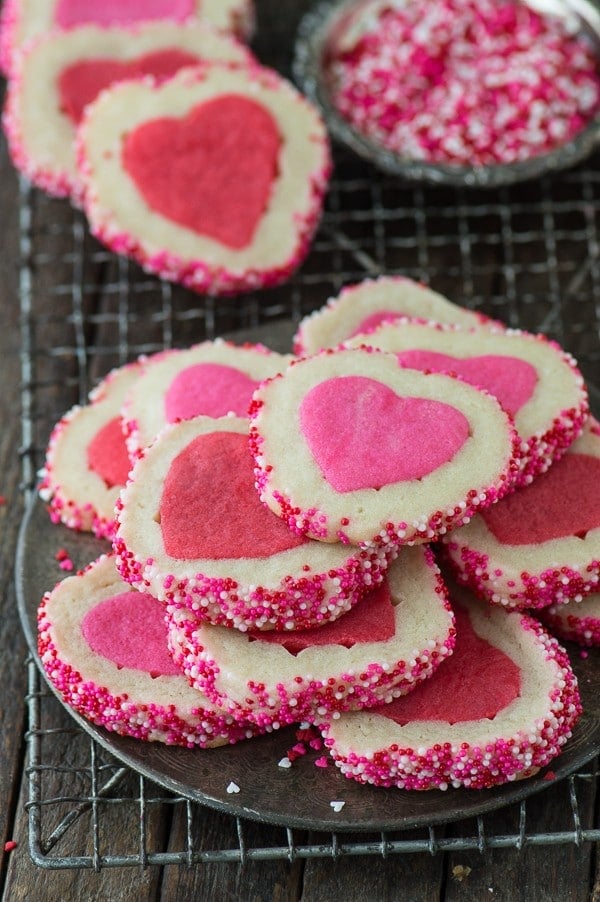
column 472, row 82
column 9, row 845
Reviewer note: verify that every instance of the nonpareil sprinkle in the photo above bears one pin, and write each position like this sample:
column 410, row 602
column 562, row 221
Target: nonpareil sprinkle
column 472, row 82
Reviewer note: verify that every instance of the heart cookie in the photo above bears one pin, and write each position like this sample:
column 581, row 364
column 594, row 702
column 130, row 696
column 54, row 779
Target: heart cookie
column 350, row 447
column 214, row 178
column 193, row 531
column 536, row 382
column 87, row 462
column 276, row 679
column 517, row 704
column 104, row 649
column 541, row 545
column 62, row 73
column 24, row 20
column 362, row 307
column 214, row 378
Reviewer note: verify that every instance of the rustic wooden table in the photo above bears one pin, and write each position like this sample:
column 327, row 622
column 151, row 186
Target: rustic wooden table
column 68, row 312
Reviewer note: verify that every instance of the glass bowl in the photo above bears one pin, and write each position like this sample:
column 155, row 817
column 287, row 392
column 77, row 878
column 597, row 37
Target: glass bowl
column 322, row 26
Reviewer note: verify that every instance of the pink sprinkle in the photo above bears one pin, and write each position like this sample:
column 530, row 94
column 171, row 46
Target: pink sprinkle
column 2, row 500
column 472, row 82
column 316, row 744
column 583, row 653
column 321, row 762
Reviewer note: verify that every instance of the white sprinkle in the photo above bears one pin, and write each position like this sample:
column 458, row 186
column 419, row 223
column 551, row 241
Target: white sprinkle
column 285, row 762
column 337, row 806
column 233, row 787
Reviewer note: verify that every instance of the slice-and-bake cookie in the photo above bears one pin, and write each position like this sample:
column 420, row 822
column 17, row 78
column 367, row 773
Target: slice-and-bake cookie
column 578, row 621
column 214, row 178
column 361, row 307
column 395, row 637
column 87, row 462
column 24, row 20
column 536, row 382
column 499, row 708
column 215, row 379
column 62, row 73
column 193, row 531
column 104, row 649
column 541, row 545
column 351, row 447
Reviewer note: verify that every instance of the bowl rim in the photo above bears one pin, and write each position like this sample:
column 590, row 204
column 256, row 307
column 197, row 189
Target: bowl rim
column 308, row 66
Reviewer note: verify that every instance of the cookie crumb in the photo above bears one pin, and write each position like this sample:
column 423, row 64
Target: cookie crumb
column 233, row 787
column 460, row 872
column 337, row 806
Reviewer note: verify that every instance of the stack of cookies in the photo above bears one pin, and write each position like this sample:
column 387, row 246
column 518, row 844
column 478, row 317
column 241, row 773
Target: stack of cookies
column 354, row 536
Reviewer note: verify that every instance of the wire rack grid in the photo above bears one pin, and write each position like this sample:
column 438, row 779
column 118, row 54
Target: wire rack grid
column 527, row 255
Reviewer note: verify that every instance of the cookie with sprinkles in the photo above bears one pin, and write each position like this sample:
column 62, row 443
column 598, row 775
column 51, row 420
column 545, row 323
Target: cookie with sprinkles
column 214, row 178
column 192, row 531
column 536, row 382
column 87, row 461
column 350, row 447
column 395, row 637
column 499, row 708
column 576, row 621
column 539, row 546
column 64, row 71
column 24, row 20
column 214, row 378
column 362, row 307
column 103, row 647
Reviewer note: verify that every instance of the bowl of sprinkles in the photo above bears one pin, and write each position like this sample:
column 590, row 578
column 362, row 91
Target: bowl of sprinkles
column 457, row 92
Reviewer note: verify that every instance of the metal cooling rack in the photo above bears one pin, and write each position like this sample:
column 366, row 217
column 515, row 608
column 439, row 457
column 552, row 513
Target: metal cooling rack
column 527, row 255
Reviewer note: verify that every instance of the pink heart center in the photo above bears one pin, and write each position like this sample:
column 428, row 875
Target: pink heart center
column 511, row 380
column 371, row 620
column 376, row 319
column 563, row 501
column 208, row 389
column 129, row 630
column 107, row 454
column 476, row 682
column 119, row 12
column 210, row 508
column 80, row 83
column 211, row 171
column 363, row 435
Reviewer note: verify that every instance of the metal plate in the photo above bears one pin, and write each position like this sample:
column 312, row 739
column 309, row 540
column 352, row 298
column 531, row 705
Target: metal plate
column 300, row 796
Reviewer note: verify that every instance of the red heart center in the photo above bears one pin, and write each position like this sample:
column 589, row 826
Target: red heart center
column 563, row 501
column 107, row 454
column 80, row 83
column 511, row 380
column 208, row 389
column 129, row 630
column 210, row 507
column 211, row 171
column 477, row 681
column 363, row 435
column 371, row 620
column 119, row 12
